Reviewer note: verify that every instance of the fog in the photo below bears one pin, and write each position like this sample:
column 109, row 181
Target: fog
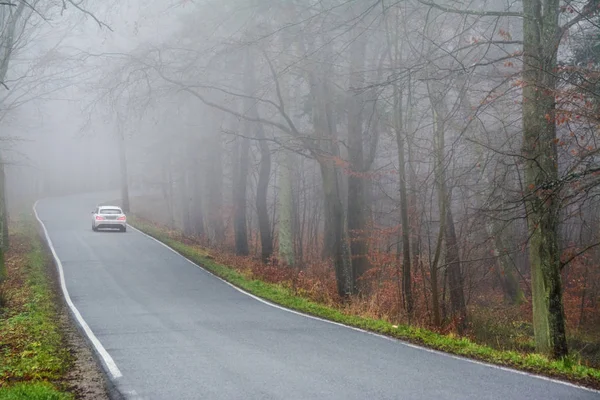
column 397, row 137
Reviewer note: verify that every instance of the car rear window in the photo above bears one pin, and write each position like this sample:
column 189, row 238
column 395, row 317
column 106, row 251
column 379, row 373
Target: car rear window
column 110, row 211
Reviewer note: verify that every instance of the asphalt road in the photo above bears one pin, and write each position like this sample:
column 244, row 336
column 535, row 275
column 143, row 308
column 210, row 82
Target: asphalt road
column 176, row 332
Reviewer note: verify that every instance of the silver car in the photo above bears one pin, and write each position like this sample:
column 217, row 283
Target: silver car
column 109, row 217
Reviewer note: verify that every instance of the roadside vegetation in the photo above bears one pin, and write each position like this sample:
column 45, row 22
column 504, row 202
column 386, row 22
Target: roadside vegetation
column 312, row 291
column 33, row 357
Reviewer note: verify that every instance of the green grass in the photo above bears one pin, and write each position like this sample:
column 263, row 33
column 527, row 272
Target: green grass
column 33, row 391
column 32, row 351
column 569, row 368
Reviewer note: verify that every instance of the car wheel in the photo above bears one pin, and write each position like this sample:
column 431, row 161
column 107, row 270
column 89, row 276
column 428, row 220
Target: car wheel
column 124, row 229
column 94, row 228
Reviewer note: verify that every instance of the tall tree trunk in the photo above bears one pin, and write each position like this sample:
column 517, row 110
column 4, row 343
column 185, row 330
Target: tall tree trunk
column 324, row 124
column 264, row 225
column 286, row 235
column 406, row 263
column 334, row 221
column 357, row 208
column 264, row 173
column 541, row 39
column 196, row 207
column 402, row 129
column 3, row 207
column 7, row 44
column 242, row 161
column 413, row 211
column 123, row 171
column 433, row 269
column 196, row 201
column 412, row 222
column 298, row 211
column 325, row 147
column 509, row 282
column 186, row 221
column 214, row 186
column 336, row 238
column 285, row 199
column 168, row 189
column 3, row 221
column 458, row 309
column 442, row 203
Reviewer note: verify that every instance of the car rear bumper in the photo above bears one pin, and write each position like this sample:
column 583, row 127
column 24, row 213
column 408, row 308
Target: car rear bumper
column 110, row 224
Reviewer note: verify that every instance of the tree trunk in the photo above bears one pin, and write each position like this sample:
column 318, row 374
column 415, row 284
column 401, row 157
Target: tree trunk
column 167, row 188
column 242, row 161
column 336, row 245
column 406, row 263
column 3, row 221
column 298, row 214
column 412, row 218
column 4, row 242
column 541, row 39
column 334, row 221
column 214, row 186
column 324, row 146
column 509, row 282
column 433, row 271
column 264, row 173
column 196, row 202
column 286, row 235
column 196, row 209
column 333, row 208
column 439, row 178
column 357, row 208
column 264, row 225
column 123, row 170
column 186, row 221
column 7, row 46
column 458, row 309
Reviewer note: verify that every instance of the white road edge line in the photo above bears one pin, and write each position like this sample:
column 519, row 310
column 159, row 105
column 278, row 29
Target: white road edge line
column 414, row 346
column 106, row 358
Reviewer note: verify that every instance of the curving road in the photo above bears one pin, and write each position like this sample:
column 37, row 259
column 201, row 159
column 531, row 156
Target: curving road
column 166, row 329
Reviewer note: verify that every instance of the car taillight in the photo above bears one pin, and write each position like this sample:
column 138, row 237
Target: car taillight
column 99, row 218
column 121, row 218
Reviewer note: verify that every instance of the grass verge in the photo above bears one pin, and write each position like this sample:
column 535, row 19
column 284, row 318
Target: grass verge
column 567, row 369
column 33, row 357
column 33, row 391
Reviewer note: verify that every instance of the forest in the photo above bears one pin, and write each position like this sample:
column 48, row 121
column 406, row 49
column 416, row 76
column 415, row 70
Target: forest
column 426, row 162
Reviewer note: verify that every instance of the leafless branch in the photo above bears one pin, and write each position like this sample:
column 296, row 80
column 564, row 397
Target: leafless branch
column 574, row 256
column 591, row 8
column 471, row 12
column 86, row 12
